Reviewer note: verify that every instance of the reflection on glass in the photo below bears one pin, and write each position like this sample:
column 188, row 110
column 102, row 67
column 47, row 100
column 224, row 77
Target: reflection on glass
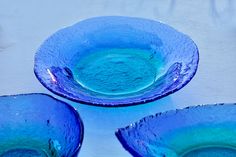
column 198, row 131
column 38, row 125
column 116, row 61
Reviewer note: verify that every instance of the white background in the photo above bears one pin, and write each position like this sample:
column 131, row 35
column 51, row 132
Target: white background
column 24, row 24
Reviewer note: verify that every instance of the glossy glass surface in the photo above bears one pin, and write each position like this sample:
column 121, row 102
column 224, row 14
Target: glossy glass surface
column 26, row 23
column 38, row 125
column 116, row 61
column 201, row 131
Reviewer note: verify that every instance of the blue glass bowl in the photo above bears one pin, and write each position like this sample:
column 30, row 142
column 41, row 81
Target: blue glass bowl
column 116, row 61
column 38, row 125
column 201, row 131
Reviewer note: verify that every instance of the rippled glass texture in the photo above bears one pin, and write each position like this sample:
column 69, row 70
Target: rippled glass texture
column 37, row 125
column 116, row 61
column 201, row 131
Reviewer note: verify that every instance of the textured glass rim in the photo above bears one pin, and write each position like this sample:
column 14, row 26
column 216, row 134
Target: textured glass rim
column 132, row 151
column 81, row 125
column 146, row 100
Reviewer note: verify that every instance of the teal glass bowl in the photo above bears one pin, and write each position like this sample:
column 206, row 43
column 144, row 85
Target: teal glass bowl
column 38, row 125
column 201, row 131
column 116, row 61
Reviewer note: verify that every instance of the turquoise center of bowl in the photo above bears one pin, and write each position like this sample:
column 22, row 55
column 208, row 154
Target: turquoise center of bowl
column 211, row 152
column 118, row 71
column 24, row 152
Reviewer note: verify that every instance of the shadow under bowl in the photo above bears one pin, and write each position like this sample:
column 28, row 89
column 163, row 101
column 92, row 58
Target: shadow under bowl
column 201, row 131
column 116, row 61
column 38, row 125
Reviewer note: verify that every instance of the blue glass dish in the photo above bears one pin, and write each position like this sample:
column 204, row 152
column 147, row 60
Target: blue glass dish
column 201, row 131
column 38, row 125
column 116, row 61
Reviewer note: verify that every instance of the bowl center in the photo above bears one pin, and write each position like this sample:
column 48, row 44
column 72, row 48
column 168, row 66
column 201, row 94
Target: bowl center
column 211, row 152
column 117, row 71
column 24, row 152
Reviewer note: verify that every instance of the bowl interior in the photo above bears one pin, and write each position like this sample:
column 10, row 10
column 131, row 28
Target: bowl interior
column 192, row 132
column 38, row 125
column 116, row 61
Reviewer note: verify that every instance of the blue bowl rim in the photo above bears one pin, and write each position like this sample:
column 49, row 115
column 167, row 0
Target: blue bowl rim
column 75, row 112
column 143, row 101
column 118, row 132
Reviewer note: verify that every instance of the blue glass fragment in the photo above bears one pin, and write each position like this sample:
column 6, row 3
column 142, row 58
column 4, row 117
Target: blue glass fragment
column 38, row 125
column 116, row 61
column 201, row 131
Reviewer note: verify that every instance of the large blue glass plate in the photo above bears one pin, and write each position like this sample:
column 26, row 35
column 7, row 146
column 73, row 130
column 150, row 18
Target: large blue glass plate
column 116, row 61
column 38, row 125
column 201, row 131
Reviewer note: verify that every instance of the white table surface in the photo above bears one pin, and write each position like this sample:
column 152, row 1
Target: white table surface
column 24, row 24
